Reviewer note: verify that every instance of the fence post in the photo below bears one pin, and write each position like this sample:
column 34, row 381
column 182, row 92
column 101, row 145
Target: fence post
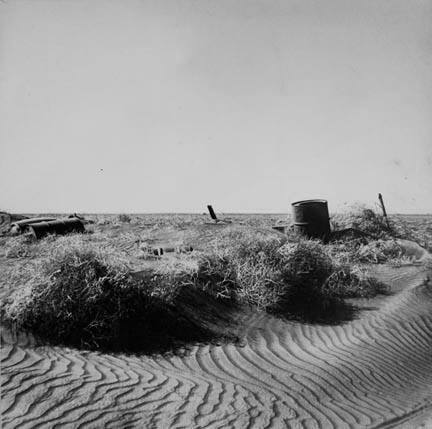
column 384, row 210
column 212, row 213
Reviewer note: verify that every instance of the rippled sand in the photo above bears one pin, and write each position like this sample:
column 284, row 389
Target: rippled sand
column 375, row 371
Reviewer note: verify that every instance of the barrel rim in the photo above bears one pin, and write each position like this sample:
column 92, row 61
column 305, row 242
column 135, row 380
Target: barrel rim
column 296, row 203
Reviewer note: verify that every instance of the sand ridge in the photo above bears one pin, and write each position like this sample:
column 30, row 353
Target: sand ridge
column 372, row 372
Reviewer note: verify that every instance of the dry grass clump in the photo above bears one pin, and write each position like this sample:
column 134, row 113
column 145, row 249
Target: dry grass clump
column 352, row 282
column 21, row 246
column 293, row 279
column 367, row 251
column 375, row 226
column 27, row 246
column 306, row 262
column 242, row 266
column 418, row 230
column 315, row 285
column 379, row 251
column 305, row 267
column 364, row 219
column 124, row 218
column 85, row 297
column 369, row 239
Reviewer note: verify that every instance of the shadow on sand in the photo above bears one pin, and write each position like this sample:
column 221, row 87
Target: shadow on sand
column 317, row 310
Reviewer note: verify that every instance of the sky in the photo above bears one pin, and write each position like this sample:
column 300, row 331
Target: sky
column 249, row 105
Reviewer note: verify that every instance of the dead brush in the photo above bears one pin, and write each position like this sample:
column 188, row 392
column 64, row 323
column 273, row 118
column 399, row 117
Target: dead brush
column 378, row 245
column 22, row 246
column 352, row 282
column 215, row 275
column 242, row 266
column 124, row 218
column 73, row 297
column 306, row 262
column 366, row 220
column 86, row 297
column 297, row 279
column 367, row 251
column 379, row 251
column 258, row 283
column 420, row 233
column 301, row 295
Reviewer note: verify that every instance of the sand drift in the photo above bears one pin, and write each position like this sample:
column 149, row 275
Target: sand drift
column 375, row 371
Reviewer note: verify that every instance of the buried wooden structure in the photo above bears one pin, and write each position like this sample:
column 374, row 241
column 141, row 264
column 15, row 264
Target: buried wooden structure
column 63, row 226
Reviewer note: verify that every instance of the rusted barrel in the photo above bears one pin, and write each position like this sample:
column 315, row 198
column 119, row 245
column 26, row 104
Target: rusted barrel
column 63, row 226
column 311, row 218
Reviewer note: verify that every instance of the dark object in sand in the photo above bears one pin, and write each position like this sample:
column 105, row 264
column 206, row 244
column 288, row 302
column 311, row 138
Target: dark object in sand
column 22, row 225
column 311, row 218
column 81, row 218
column 384, row 210
column 159, row 251
column 212, row 213
column 280, row 228
column 64, row 226
column 215, row 218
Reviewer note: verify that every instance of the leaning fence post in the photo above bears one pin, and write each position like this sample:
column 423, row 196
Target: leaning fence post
column 384, row 210
column 212, row 213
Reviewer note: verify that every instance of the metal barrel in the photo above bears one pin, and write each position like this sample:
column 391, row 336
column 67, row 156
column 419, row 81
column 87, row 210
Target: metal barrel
column 311, row 218
column 63, row 226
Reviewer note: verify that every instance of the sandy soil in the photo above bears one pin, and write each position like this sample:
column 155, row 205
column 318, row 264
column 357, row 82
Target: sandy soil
column 375, row 371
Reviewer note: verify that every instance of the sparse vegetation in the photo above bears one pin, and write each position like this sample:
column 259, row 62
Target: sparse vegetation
column 418, row 230
column 348, row 281
column 368, row 239
column 367, row 251
column 18, row 247
column 79, row 290
column 242, row 266
column 278, row 276
column 366, row 220
column 88, row 298
column 124, row 218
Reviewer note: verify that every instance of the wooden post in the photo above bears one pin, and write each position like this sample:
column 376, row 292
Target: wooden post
column 212, row 213
column 384, row 210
